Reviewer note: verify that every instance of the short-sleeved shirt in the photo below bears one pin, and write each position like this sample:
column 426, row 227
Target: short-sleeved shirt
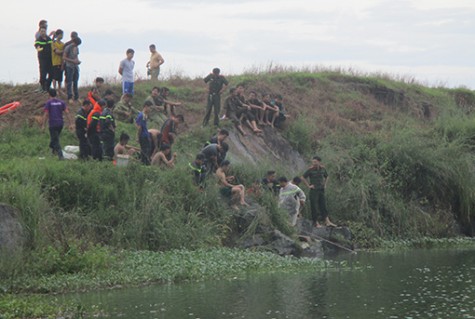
column 56, row 58
column 210, row 151
column 127, row 67
column 142, row 122
column 71, row 52
column 216, row 83
column 154, row 60
column 317, row 177
column 55, row 108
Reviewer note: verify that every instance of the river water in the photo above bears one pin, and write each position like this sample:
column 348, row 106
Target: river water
column 409, row 284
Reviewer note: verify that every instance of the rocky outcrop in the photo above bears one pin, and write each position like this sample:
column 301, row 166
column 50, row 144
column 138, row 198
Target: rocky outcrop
column 11, row 231
column 254, row 230
column 270, row 146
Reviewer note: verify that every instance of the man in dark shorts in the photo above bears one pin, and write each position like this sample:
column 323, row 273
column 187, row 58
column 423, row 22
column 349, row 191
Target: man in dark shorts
column 316, row 178
column 216, row 85
column 236, row 111
column 53, row 113
column 227, row 189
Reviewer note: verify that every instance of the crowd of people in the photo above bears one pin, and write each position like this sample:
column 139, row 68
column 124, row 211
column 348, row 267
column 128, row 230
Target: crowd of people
column 95, row 125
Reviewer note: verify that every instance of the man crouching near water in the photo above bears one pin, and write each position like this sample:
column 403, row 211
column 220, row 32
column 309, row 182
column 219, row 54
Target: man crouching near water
column 227, row 189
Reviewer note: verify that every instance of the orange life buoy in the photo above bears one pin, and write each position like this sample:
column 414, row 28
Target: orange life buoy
column 9, row 107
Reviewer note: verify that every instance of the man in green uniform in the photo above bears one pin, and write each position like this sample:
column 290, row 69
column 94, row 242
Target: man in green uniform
column 316, row 178
column 217, row 84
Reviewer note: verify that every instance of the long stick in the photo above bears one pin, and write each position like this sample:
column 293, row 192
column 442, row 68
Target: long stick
column 330, row 242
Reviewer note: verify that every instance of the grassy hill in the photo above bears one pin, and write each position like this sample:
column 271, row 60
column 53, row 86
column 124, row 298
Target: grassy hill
column 399, row 157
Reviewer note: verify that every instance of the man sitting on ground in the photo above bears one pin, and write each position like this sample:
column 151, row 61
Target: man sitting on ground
column 124, row 111
column 158, row 114
column 122, row 148
column 227, row 189
column 164, row 158
column 235, row 110
column 167, row 103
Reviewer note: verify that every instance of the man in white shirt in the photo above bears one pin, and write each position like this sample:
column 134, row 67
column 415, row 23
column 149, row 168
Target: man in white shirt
column 126, row 70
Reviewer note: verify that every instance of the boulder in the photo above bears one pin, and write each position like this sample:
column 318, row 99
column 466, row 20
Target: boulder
column 11, row 231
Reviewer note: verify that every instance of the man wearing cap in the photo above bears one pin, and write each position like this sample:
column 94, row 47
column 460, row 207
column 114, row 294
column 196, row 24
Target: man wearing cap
column 216, row 85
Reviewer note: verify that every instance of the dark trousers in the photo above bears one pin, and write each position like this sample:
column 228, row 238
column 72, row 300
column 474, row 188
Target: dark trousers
column 108, row 144
column 46, row 73
column 318, row 205
column 145, row 149
column 54, row 133
column 72, row 78
column 96, row 147
column 84, row 146
column 214, row 100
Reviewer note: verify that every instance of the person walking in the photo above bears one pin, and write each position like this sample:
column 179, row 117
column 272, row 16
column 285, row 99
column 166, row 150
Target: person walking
column 156, row 60
column 53, row 113
column 126, row 70
column 216, row 85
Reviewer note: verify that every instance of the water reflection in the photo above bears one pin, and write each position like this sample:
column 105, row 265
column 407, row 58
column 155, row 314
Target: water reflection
column 416, row 284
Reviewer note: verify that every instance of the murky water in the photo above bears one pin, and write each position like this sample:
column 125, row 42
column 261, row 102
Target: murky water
column 411, row 284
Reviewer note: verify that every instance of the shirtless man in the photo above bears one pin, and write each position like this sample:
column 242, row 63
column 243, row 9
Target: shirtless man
column 122, row 148
column 156, row 139
column 163, row 158
column 226, row 188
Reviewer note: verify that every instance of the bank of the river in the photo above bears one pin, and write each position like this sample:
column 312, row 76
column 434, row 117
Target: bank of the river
column 25, row 296
column 127, row 268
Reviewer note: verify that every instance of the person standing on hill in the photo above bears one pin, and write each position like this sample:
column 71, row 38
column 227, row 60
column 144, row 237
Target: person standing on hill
column 57, row 59
column 71, row 63
column 108, row 130
column 53, row 113
column 126, row 70
column 43, row 46
column 156, row 60
column 216, row 85
column 143, row 135
column 81, row 129
column 316, row 178
column 94, row 129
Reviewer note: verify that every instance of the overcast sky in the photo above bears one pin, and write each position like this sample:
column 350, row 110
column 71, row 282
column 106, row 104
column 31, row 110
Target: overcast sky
column 430, row 40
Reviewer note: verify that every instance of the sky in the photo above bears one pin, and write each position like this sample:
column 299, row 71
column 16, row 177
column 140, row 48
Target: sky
column 430, row 41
